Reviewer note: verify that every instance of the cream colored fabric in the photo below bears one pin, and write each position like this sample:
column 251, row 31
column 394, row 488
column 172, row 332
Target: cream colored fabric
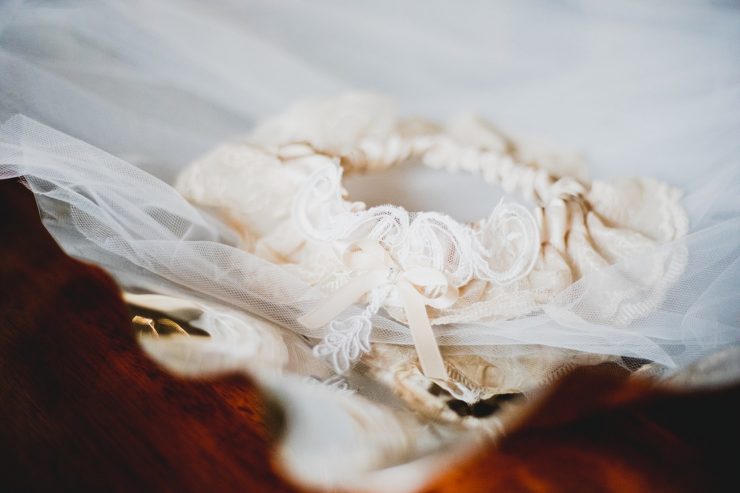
column 281, row 189
column 583, row 225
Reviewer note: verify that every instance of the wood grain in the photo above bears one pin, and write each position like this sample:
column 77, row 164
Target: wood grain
column 83, row 409
column 597, row 431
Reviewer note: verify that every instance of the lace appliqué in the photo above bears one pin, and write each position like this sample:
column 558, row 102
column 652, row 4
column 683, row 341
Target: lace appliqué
column 403, row 259
column 346, row 341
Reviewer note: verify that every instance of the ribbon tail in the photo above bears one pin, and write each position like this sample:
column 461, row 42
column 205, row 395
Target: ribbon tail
column 346, row 296
column 432, row 364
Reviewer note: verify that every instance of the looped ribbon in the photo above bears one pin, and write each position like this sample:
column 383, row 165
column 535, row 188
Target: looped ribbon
column 418, row 287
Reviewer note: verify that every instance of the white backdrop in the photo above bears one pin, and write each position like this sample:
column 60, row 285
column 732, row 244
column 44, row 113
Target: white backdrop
column 649, row 87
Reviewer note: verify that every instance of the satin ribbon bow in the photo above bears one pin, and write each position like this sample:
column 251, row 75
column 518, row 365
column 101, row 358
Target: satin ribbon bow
column 417, row 288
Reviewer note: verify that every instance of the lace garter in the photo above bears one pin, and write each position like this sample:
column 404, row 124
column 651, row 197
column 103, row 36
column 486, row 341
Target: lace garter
column 425, row 265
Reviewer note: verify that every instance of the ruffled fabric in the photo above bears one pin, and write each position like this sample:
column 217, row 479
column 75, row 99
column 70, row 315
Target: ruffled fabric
column 584, row 226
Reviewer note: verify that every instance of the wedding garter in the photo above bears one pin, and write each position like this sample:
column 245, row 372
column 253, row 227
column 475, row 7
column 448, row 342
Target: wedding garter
column 282, row 191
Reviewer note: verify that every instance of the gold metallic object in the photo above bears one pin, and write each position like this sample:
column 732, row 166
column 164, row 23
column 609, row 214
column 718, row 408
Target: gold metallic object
column 144, row 326
column 163, row 316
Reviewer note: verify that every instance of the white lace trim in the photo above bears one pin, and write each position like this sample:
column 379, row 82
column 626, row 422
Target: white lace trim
column 509, row 237
column 427, row 239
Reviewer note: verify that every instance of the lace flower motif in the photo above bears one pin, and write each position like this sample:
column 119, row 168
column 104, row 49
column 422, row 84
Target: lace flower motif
column 429, row 251
column 346, row 341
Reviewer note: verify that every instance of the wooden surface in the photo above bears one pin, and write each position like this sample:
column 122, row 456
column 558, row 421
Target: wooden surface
column 83, row 409
column 598, row 432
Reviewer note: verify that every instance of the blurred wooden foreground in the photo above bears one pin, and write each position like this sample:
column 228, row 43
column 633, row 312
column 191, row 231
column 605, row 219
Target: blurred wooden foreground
column 83, row 409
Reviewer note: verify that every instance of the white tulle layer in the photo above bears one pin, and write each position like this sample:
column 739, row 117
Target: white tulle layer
column 103, row 209
column 639, row 89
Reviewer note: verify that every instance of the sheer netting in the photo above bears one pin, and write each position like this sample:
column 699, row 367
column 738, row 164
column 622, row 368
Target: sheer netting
column 103, row 209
